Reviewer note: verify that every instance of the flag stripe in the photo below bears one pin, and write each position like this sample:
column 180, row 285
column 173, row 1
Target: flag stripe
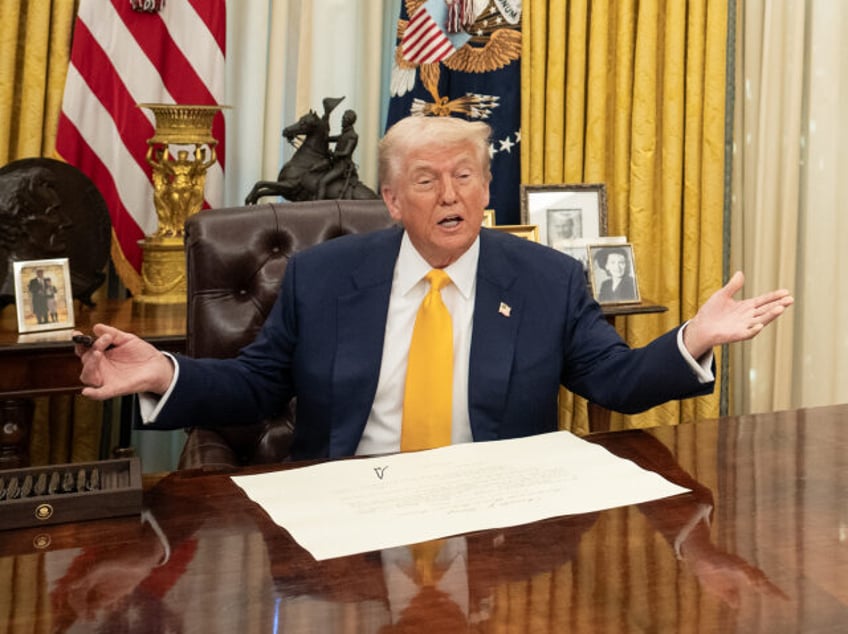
column 135, row 70
column 214, row 16
column 131, row 123
column 86, row 160
column 424, row 41
column 121, row 58
column 98, row 128
column 199, row 46
column 179, row 76
column 420, row 30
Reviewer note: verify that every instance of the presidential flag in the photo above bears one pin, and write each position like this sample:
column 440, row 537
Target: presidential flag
column 127, row 52
column 461, row 58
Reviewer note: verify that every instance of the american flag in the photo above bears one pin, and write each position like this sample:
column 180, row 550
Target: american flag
column 425, row 41
column 122, row 57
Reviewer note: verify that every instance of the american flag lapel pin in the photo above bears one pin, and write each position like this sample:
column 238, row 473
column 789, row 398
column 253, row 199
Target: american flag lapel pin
column 504, row 309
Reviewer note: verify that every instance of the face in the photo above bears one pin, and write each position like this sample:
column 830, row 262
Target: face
column 616, row 265
column 439, row 194
column 565, row 228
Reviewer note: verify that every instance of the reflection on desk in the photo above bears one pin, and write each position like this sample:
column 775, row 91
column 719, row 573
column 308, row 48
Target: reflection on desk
column 207, row 559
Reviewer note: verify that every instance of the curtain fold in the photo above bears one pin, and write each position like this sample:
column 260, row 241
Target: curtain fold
column 631, row 94
column 34, row 49
column 788, row 220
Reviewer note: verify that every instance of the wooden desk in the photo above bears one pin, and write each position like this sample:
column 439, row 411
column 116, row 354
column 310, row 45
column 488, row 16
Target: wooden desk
column 38, row 364
column 774, row 557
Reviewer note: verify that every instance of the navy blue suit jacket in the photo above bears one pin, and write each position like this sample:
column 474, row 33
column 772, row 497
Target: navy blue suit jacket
column 323, row 342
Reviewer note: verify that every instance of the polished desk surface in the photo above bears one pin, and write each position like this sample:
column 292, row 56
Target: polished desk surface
column 39, row 363
column 773, row 558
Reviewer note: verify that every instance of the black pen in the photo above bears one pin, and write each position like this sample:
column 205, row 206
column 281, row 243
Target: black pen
column 87, row 341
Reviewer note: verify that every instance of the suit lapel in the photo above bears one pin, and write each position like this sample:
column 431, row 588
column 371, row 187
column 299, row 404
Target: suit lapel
column 361, row 330
column 497, row 315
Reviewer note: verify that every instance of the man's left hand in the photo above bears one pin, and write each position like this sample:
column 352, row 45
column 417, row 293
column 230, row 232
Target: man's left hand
column 723, row 319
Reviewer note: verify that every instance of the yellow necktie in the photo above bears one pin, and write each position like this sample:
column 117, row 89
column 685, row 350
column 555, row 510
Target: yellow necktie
column 429, row 373
column 424, row 555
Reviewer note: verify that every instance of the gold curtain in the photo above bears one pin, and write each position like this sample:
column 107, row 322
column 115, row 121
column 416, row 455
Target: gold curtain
column 35, row 43
column 632, row 94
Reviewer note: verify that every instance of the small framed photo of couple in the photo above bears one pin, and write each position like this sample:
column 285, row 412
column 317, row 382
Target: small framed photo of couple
column 565, row 213
column 613, row 274
column 43, row 295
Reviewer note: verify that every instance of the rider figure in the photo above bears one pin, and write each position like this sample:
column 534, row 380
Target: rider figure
column 341, row 159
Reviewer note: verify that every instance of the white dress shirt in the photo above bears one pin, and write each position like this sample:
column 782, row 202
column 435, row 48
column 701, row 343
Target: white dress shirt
column 382, row 431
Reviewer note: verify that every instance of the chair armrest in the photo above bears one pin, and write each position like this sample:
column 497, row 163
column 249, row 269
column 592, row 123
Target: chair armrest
column 205, row 448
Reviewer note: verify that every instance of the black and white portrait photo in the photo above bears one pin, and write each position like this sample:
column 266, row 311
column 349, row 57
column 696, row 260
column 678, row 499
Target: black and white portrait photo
column 613, row 274
column 564, row 226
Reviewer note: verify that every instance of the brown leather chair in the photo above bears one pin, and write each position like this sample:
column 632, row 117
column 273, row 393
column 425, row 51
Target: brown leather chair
column 235, row 260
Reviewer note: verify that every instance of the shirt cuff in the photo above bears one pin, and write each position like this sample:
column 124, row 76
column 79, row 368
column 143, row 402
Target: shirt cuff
column 703, row 367
column 150, row 404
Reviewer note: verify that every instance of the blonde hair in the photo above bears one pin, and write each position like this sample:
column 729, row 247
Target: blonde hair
column 416, row 131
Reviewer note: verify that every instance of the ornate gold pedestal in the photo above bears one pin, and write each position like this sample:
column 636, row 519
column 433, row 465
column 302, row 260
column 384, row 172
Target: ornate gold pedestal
column 163, row 271
column 178, row 184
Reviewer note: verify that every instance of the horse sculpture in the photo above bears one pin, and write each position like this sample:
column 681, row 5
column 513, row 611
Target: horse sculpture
column 299, row 178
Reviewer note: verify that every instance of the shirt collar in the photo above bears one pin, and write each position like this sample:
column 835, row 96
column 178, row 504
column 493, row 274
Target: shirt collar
column 411, row 268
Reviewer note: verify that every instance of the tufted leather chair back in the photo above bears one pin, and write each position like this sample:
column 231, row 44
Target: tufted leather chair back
column 235, row 261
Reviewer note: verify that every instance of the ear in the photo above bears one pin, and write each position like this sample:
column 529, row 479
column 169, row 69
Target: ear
column 390, row 199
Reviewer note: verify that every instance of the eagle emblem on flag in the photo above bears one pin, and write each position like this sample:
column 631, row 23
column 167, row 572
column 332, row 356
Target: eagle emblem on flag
column 461, row 58
column 488, row 42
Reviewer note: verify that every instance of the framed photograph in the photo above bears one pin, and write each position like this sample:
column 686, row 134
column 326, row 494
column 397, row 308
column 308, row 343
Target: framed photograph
column 43, row 295
column 613, row 276
column 489, row 218
column 565, row 212
column 579, row 248
column 580, row 252
column 528, row 232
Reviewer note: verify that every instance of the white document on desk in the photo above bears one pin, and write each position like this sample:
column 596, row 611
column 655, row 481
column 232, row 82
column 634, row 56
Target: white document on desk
column 345, row 507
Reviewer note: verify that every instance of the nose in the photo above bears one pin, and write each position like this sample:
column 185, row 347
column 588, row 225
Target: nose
column 448, row 193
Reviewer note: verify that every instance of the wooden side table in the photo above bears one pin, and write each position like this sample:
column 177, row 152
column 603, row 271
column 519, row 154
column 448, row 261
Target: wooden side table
column 44, row 363
column 599, row 417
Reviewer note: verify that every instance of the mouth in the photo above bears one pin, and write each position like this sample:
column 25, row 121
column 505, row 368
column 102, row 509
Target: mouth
column 450, row 222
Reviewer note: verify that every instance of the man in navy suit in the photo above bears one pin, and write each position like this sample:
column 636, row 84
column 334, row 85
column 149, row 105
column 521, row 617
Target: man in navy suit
column 338, row 336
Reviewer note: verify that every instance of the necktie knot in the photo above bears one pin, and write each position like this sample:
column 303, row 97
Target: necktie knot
column 438, row 279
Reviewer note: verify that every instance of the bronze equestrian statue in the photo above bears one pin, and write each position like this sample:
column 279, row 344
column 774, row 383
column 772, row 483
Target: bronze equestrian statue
column 314, row 172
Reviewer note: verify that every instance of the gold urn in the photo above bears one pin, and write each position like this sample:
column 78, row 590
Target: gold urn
column 180, row 151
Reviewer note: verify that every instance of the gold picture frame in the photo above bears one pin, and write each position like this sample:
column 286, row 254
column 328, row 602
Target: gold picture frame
column 489, row 218
column 43, row 295
column 528, row 232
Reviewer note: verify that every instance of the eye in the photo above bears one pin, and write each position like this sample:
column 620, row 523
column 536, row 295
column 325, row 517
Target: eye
column 423, row 182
